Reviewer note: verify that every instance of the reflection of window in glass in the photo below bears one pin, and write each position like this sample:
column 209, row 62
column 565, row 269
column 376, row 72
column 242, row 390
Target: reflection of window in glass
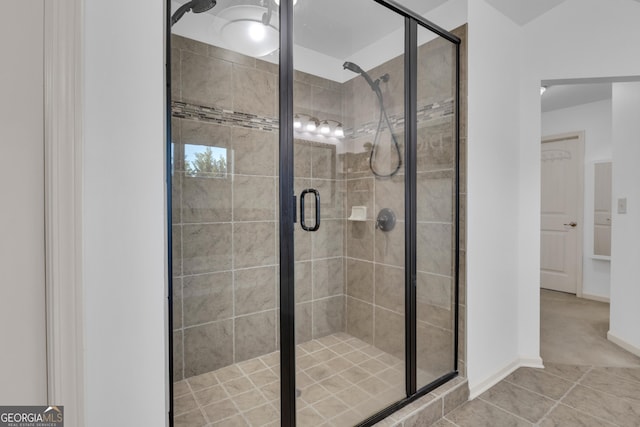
column 205, row 161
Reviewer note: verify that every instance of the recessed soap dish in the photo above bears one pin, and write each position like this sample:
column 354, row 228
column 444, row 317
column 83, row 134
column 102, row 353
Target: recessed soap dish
column 358, row 213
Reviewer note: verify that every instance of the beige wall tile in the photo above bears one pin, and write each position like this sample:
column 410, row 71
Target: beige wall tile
column 206, row 81
column 207, row 298
column 360, row 280
column 206, row 248
column 360, row 239
column 254, row 91
column 328, row 316
column 254, row 198
column 328, row 277
column 360, row 319
column 390, row 245
column 255, row 290
column 178, row 361
column 389, row 286
column 389, row 332
column 254, row 244
column 206, row 199
column 254, row 152
column 208, row 347
column 434, row 248
column 255, row 335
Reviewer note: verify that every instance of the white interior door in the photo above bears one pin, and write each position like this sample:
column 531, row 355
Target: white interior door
column 561, row 210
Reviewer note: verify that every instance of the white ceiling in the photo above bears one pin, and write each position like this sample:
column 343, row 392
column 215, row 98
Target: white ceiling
column 524, row 11
column 337, row 28
column 565, row 96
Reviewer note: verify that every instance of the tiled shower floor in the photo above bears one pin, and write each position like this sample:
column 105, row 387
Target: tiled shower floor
column 342, row 380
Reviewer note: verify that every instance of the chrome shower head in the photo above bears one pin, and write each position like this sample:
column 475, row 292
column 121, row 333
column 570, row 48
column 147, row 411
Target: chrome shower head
column 199, row 6
column 195, row 6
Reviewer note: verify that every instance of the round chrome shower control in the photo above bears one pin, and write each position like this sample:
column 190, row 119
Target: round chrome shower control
column 386, row 220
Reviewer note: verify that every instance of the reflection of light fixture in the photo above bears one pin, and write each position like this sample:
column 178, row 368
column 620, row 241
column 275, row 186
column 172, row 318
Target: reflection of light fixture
column 278, row 2
column 317, row 126
column 324, row 128
column 243, row 29
column 338, row 132
column 257, row 31
column 542, row 90
column 312, row 124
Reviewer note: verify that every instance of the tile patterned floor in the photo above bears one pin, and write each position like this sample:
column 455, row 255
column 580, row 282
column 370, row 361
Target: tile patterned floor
column 559, row 395
column 343, row 380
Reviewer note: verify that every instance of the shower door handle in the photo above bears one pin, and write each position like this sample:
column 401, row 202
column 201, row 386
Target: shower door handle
column 303, row 224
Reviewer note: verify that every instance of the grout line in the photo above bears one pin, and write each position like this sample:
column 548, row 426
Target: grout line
column 575, row 384
column 504, row 410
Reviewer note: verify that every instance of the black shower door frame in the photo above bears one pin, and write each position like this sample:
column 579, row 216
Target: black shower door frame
column 287, row 204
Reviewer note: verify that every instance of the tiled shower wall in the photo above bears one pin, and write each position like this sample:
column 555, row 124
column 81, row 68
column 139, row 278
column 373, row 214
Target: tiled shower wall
column 349, row 276
column 225, row 231
column 375, row 259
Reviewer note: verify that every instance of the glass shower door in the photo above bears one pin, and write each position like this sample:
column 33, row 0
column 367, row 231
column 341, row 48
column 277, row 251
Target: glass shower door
column 349, row 238
column 436, row 151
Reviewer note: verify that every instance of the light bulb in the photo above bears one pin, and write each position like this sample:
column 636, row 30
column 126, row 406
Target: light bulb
column 543, row 89
column 324, row 128
column 297, row 124
column 339, row 132
column 311, row 126
column 257, row 32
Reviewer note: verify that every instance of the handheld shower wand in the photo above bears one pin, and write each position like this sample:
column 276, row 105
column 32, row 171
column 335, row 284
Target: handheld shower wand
column 356, row 69
column 195, row 6
column 375, row 86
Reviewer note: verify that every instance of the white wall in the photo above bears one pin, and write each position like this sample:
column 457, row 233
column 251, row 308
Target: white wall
column 124, row 214
column 492, row 233
column 22, row 292
column 595, row 120
column 625, row 246
column 577, row 39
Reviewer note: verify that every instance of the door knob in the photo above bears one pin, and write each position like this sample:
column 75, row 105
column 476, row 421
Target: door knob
column 571, row 224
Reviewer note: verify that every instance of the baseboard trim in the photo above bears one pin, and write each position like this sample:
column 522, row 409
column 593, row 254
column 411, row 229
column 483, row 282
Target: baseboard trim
column 478, row 389
column 535, row 362
column 624, row 344
column 596, row 298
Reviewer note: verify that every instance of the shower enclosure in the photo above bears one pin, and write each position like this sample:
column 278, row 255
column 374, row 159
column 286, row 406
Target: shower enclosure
column 314, row 198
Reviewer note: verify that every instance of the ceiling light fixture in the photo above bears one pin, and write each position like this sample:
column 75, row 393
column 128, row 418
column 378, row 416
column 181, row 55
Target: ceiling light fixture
column 543, row 89
column 251, row 30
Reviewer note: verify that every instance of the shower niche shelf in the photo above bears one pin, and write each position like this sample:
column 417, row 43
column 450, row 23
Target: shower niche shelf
column 358, row 213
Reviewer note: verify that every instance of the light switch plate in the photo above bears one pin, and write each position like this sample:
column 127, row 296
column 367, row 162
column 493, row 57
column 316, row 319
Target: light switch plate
column 622, row 205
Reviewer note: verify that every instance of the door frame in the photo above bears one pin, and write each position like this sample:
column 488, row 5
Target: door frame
column 578, row 138
column 63, row 142
column 287, row 210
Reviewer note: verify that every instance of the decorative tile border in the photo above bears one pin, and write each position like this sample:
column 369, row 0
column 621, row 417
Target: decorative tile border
column 183, row 110
column 425, row 113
